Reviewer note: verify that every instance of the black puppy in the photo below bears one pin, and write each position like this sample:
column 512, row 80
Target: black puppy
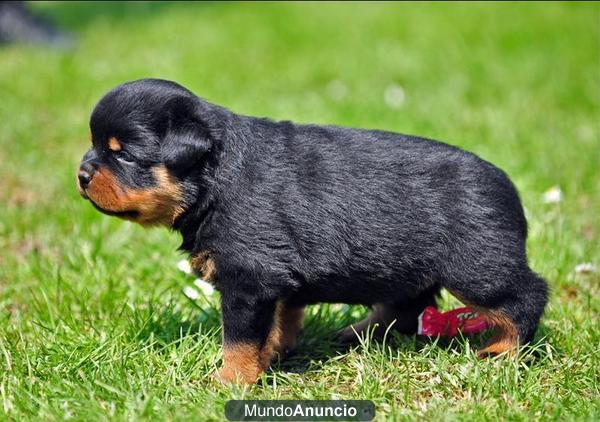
column 279, row 215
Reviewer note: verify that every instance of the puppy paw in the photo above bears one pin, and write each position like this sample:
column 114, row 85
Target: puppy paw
column 228, row 376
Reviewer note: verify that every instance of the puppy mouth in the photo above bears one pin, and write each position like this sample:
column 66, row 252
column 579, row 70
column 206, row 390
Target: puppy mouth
column 82, row 192
column 129, row 214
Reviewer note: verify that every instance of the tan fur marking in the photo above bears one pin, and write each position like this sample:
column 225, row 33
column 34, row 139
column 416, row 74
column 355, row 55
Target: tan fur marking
column 204, row 265
column 291, row 321
column 246, row 361
column 114, row 144
column 505, row 338
column 157, row 205
column 241, row 361
column 272, row 345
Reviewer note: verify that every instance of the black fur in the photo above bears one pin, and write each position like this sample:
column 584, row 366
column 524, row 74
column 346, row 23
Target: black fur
column 307, row 214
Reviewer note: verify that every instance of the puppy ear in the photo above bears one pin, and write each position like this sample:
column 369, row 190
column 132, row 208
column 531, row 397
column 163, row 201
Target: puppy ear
column 187, row 137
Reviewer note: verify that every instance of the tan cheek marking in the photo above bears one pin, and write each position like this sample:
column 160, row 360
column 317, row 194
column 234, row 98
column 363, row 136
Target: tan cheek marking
column 161, row 204
column 204, row 265
column 105, row 191
column 114, row 144
column 157, row 205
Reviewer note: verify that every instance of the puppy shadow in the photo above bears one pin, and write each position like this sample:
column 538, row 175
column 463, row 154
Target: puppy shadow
column 172, row 324
column 315, row 349
column 314, row 352
column 310, row 352
column 317, row 342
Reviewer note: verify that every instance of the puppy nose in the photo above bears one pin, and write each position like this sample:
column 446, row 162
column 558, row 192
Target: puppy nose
column 86, row 172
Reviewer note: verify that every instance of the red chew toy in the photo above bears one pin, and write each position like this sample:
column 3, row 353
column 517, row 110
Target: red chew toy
column 435, row 323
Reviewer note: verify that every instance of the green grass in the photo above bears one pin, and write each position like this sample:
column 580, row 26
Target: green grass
column 93, row 322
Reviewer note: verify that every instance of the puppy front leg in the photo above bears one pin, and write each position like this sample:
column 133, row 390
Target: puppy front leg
column 250, row 335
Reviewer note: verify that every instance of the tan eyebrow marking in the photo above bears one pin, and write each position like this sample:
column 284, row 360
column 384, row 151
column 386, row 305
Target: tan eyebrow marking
column 114, row 144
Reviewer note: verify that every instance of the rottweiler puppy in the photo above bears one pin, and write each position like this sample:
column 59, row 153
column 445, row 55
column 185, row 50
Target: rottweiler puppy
column 279, row 215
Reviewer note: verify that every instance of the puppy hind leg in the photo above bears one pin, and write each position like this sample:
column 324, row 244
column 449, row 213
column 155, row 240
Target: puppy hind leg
column 401, row 315
column 377, row 320
column 407, row 311
column 290, row 322
column 514, row 312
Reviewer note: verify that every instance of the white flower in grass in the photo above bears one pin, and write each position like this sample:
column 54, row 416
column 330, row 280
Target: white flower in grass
column 337, row 90
column 553, row 195
column 191, row 293
column 585, row 268
column 394, row 96
column 204, row 287
column 184, row 266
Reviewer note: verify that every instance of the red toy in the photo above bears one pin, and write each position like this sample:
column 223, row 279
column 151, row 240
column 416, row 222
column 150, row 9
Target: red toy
column 447, row 324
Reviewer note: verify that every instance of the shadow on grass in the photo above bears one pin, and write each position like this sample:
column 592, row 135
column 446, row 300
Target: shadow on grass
column 313, row 352
column 317, row 343
column 173, row 324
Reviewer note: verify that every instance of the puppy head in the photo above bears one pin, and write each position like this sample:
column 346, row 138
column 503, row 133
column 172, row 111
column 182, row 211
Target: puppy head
column 149, row 138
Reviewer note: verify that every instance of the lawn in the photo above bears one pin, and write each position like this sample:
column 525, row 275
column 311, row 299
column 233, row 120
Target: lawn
column 93, row 319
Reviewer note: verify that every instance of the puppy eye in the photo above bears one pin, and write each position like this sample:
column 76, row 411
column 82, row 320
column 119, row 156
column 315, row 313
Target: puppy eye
column 125, row 157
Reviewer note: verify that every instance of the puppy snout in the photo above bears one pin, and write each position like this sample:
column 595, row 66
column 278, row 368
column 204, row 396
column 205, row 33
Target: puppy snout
column 85, row 174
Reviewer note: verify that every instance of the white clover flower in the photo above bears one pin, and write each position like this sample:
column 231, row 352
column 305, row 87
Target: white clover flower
column 191, row 293
column 204, row 287
column 184, row 266
column 394, row 96
column 337, row 90
column 553, row 195
column 585, row 268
